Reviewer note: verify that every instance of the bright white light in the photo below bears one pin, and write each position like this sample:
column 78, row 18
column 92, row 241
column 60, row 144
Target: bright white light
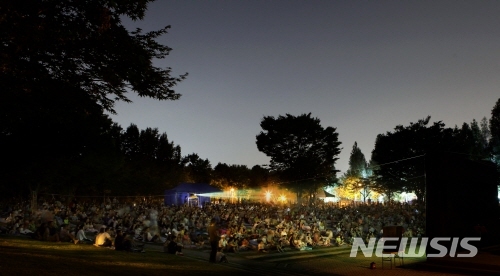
column 381, row 198
column 282, row 198
column 268, row 196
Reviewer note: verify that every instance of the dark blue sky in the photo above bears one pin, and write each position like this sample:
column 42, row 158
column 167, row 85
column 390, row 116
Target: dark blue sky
column 362, row 67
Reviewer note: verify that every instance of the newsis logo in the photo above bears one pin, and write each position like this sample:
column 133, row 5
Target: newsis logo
column 412, row 249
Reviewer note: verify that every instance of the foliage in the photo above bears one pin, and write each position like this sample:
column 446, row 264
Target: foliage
column 197, row 170
column 357, row 162
column 152, row 162
column 357, row 177
column 495, row 133
column 398, row 158
column 399, row 155
column 472, row 140
column 261, row 176
column 63, row 64
column 343, row 192
column 235, row 176
column 82, row 44
column 301, row 150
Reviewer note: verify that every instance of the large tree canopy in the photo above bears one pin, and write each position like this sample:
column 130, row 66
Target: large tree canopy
column 62, row 65
column 234, row 176
column 398, row 155
column 81, row 44
column 197, row 170
column 301, row 150
column 398, row 159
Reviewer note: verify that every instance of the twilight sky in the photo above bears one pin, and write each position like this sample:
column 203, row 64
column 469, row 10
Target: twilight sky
column 362, row 67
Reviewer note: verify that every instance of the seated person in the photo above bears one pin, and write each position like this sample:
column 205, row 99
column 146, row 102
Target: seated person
column 103, row 239
column 321, row 225
column 39, row 232
column 308, row 240
column 267, row 244
column 193, row 236
column 277, row 243
column 120, row 242
column 200, row 241
column 66, row 236
column 339, row 240
column 80, row 235
column 253, row 242
column 232, row 245
column 298, row 243
column 186, row 240
column 245, row 244
column 50, row 233
column 24, row 228
column 262, row 246
column 31, row 226
column 316, row 238
column 329, row 234
column 304, row 226
column 220, row 257
column 171, row 247
column 89, row 227
column 178, row 240
column 326, row 241
column 222, row 243
column 284, row 242
column 148, row 237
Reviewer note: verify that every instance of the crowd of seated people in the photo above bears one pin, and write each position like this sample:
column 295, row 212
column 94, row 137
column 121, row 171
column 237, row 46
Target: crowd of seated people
column 244, row 226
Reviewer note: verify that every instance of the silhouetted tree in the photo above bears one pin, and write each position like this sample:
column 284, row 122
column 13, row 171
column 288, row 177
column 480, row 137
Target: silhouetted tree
column 357, row 177
column 82, row 44
column 495, row 133
column 153, row 163
column 226, row 176
column 398, row 155
column 301, row 150
column 197, row 170
column 357, row 162
column 62, row 64
column 260, row 176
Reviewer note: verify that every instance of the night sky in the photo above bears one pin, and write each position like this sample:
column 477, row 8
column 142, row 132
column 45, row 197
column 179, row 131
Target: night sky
column 362, row 67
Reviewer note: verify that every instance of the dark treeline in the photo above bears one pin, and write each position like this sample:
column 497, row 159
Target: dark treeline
column 85, row 153
column 97, row 156
column 398, row 159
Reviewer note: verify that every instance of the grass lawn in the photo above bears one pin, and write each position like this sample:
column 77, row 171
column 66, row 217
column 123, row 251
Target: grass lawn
column 22, row 256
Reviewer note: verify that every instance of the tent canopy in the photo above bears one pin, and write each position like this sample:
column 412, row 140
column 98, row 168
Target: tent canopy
column 323, row 193
column 185, row 192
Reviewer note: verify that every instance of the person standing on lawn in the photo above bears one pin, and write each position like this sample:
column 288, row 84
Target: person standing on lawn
column 213, row 234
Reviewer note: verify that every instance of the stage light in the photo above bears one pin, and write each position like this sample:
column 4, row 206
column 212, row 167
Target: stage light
column 268, row 196
column 282, row 198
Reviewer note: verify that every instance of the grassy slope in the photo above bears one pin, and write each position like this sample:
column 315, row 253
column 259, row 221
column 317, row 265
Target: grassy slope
column 21, row 256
